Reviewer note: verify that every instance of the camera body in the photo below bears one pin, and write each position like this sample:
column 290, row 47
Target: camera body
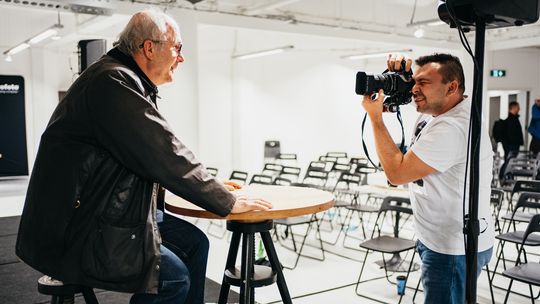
column 397, row 87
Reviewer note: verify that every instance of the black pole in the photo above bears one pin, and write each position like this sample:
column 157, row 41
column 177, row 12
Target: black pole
column 472, row 225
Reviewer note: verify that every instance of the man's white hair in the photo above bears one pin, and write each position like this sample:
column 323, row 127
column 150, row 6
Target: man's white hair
column 148, row 24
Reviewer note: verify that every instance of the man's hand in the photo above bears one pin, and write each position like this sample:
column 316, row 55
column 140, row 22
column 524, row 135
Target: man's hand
column 394, row 63
column 231, row 186
column 245, row 204
column 374, row 108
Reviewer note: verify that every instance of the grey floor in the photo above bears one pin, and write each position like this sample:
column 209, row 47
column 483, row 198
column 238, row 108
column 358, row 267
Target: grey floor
column 19, row 282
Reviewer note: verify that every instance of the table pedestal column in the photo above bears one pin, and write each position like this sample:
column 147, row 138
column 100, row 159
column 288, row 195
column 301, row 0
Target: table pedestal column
column 251, row 276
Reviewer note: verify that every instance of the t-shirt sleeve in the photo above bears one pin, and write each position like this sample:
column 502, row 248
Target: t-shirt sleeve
column 442, row 146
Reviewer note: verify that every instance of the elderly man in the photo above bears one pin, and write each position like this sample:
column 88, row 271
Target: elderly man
column 92, row 212
column 435, row 168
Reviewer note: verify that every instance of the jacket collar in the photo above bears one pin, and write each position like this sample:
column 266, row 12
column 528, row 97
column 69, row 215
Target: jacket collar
column 149, row 86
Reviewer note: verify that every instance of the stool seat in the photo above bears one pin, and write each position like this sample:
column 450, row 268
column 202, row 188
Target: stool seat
column 64, row 293
column 262, row 276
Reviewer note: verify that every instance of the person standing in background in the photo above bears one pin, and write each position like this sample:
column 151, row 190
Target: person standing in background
column 534, row 127
column 513, row 135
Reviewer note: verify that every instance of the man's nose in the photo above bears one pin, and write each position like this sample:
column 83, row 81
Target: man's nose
column 180, row 58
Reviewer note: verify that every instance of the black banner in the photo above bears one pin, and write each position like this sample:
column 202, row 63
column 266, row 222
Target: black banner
column 13, row 154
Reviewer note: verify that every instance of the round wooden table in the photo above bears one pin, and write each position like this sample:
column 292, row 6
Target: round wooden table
column 287, row 202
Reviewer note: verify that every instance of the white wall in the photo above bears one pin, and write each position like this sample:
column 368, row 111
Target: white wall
column 304, row 98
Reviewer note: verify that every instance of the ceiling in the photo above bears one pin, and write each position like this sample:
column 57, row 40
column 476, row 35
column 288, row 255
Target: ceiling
column 370, row 20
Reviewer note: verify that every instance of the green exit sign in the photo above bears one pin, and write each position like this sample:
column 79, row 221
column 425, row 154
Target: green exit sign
column 498, row 73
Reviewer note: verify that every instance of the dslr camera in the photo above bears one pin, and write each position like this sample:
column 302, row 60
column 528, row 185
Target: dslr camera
column 397, row 86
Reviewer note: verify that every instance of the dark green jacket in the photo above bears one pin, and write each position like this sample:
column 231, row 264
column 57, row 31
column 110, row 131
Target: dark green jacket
column 90, row 210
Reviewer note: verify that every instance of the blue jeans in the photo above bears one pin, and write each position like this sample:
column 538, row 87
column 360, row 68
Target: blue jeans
column 443, row 275
column 184, row 254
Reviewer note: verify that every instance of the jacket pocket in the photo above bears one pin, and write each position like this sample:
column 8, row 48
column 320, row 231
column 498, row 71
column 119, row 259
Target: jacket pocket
column 113, row 253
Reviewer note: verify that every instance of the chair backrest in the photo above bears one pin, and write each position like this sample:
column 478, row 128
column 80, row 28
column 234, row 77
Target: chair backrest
column 272, row 169
column 239, row 176
column 396, row 205
column 316, row 166
column 341, row 168
column 497, row 197
column 528, row 200
column 365, row 170
column 212, row 171
column 348, row 181
column 261, row 179
column 328, row 159
column 289, row 172
column 316, row 178
column 337, row 154
column 525, row 185
column 281, row 181
column 533, row 226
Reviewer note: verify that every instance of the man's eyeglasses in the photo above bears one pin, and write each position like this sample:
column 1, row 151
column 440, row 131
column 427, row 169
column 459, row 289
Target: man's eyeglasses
column 177, row 46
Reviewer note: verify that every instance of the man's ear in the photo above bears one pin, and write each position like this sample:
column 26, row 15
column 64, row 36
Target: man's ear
column 148, row 49
column 453, row 87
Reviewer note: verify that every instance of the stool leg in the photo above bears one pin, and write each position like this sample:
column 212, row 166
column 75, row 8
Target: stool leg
column 89, row 295
column 247, row 292
column 276, row 266
column 231, row 260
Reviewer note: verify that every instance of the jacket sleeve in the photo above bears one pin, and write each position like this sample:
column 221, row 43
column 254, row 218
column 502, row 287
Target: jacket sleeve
column 128, row 125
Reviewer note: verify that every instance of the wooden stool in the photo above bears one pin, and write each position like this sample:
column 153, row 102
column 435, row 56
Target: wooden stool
column 64, row 293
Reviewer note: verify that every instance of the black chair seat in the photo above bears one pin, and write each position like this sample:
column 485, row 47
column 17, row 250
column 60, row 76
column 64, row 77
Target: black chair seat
column 518, row 217
column 528, row 273
column 517, row 237
column 363, row 208
column 388, row 244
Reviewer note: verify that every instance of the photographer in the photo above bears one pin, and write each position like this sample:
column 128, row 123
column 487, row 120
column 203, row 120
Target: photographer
column 434, row 167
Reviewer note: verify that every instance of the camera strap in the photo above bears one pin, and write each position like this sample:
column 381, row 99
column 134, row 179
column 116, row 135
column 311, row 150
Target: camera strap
column 401, row 146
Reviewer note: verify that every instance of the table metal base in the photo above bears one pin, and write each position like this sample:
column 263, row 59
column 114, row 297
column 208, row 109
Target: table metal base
column 250, row 276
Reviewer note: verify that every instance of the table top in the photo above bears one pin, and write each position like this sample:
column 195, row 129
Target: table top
column 287, row 201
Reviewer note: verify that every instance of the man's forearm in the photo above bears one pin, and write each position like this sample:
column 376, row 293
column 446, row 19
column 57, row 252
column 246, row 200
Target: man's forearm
column 389, row 155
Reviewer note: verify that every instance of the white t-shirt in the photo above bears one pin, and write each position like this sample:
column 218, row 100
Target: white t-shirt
column 438, row 204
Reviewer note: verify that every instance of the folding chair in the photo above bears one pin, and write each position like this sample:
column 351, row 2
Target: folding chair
column 239, row 176
column 281, row 181
column 261, row 179
column 526, row 200
column 272, row 169
column 497, row 197
column 528, row 273
column 212, row 171
column 291, row 173
column 290, row 222
column 389, row 244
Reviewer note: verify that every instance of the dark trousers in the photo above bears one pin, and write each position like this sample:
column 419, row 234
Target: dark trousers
column 535, row 145
column 509, row 151
column 184, row 255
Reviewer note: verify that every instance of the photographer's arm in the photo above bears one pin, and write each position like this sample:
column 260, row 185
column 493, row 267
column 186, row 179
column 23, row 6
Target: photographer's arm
column 399, row 168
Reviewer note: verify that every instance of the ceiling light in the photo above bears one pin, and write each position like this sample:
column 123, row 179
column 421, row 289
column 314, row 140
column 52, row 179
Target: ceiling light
column 264, row 52
column 8, row 58
column 375, row 55
column 50, row 32
column 419, row 33
column 43, row 35
column 16, row 49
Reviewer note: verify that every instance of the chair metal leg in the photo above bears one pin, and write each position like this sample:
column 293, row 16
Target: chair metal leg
column 490, row 285
column 508, row 291
column 361, row 271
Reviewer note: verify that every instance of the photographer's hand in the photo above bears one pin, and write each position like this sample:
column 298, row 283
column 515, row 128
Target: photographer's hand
column 394, row 63
column 374, row 107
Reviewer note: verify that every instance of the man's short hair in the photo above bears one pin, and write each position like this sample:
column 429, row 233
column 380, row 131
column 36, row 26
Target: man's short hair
column 513, row 104
column 148, row 24
column 451, row 68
